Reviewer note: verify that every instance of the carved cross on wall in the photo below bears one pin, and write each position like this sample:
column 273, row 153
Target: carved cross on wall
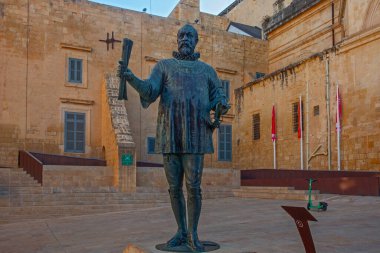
column 109, row 40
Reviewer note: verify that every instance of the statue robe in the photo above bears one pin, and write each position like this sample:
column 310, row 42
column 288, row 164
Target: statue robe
column 188, row 91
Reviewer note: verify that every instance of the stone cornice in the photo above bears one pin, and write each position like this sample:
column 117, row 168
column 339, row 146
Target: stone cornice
column 228, row 71
column 77, row 101
column 359, row 39
column 75, row 47
column 150, row 58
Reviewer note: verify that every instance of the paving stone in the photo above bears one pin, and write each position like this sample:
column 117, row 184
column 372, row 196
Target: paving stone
column 351, row 224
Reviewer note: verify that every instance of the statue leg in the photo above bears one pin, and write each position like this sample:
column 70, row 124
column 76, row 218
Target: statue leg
column 193, row 166
column 174, row 175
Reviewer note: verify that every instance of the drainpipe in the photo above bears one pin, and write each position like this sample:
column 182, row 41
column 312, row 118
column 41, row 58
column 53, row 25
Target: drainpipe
column 327, row 60
column 333, row 22
column 27, row 68
column 307, row 124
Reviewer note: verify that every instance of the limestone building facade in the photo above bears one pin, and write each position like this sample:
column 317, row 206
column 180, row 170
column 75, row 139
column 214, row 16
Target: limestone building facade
column 53, row 67
column 54, row 64
column 314, row 46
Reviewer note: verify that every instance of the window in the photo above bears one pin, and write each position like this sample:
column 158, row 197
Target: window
column 225, row 143
column 151, row 142
column 256, row 126
column 295, row 116
column 316, row 110
column 226, row 88
column 75, row 125
column 259, row 75
column 75, row 70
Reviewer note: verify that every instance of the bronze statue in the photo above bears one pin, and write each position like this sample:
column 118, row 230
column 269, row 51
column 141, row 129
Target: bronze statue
column 188, row 89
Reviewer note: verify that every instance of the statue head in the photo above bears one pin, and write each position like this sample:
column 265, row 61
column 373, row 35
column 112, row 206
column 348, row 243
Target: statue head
column 187, row 39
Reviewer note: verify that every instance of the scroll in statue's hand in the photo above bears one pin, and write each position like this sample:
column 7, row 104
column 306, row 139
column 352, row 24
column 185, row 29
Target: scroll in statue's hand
column 124, row 72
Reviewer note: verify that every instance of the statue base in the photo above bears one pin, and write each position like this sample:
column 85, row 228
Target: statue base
column 209, row 246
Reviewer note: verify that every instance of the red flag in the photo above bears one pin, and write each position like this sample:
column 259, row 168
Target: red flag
column 299, row 120
column 273, row 125
column 338, row 115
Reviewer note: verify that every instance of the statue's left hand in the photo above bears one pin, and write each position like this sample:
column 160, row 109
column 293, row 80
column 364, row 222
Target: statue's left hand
column 225, row 106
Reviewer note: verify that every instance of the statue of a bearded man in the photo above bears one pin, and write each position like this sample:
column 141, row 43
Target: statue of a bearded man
column 188, row 90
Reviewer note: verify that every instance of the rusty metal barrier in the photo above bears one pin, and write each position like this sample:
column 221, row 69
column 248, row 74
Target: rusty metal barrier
column 31, row 165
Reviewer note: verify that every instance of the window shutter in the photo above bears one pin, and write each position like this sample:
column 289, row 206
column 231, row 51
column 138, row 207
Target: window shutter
column 75, row 70
column 71, row 70
column 69, row 131
column 228, row 155
column 151, row 144
column 79, row 71
column 80, row 132
column 221, row 143
column 75, row 127
column 225, row 143
column 226, row 88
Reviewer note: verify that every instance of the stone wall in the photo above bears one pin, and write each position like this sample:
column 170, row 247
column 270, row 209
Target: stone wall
column 252, row 12
column 154, row 178
column 38, row 36
column 78, row 178
column 306, row 32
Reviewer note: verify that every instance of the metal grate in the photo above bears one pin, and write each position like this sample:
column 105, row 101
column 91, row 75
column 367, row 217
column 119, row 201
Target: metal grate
column 256, row 126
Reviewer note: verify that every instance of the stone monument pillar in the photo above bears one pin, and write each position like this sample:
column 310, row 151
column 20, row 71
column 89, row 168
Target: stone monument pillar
column 120, row 149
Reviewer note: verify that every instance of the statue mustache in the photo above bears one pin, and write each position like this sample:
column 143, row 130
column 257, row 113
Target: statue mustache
column 185, row 44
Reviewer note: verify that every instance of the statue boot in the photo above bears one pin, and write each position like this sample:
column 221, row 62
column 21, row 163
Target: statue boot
column 194, row 205
column 179, row 209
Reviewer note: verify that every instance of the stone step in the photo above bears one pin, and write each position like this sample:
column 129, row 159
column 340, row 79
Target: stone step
column 19, row 214
column 284, row 196
column 16, row 177
column 274, row 189
column 39, row 189
column 85, row 198
column 4, row 202
column 287, row 193
column 268, row 189
column 38, row 197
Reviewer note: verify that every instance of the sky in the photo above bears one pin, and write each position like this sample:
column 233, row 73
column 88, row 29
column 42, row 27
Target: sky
column 164, row 7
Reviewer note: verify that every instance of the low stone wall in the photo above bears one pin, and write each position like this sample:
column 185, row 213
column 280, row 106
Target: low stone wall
column 154, row 177
column 77, row 177
column 4, row 186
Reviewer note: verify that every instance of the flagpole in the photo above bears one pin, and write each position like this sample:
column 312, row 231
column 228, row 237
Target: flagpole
column 338, row 128
column 274, row 137
column 274, row 155
column 301, row 139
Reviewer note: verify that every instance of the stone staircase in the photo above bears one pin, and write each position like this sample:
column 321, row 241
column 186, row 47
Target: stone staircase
column 22, row 198
column 264, row 192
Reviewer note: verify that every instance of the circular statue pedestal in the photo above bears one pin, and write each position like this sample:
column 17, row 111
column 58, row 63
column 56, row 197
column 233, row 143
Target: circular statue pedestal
column 209, row 246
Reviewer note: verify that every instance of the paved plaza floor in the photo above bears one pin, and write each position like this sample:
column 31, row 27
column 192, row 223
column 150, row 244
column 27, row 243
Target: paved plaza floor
column 350, row 225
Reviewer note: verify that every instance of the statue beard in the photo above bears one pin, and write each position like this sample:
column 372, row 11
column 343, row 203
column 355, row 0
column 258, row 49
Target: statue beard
column 185, row 49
